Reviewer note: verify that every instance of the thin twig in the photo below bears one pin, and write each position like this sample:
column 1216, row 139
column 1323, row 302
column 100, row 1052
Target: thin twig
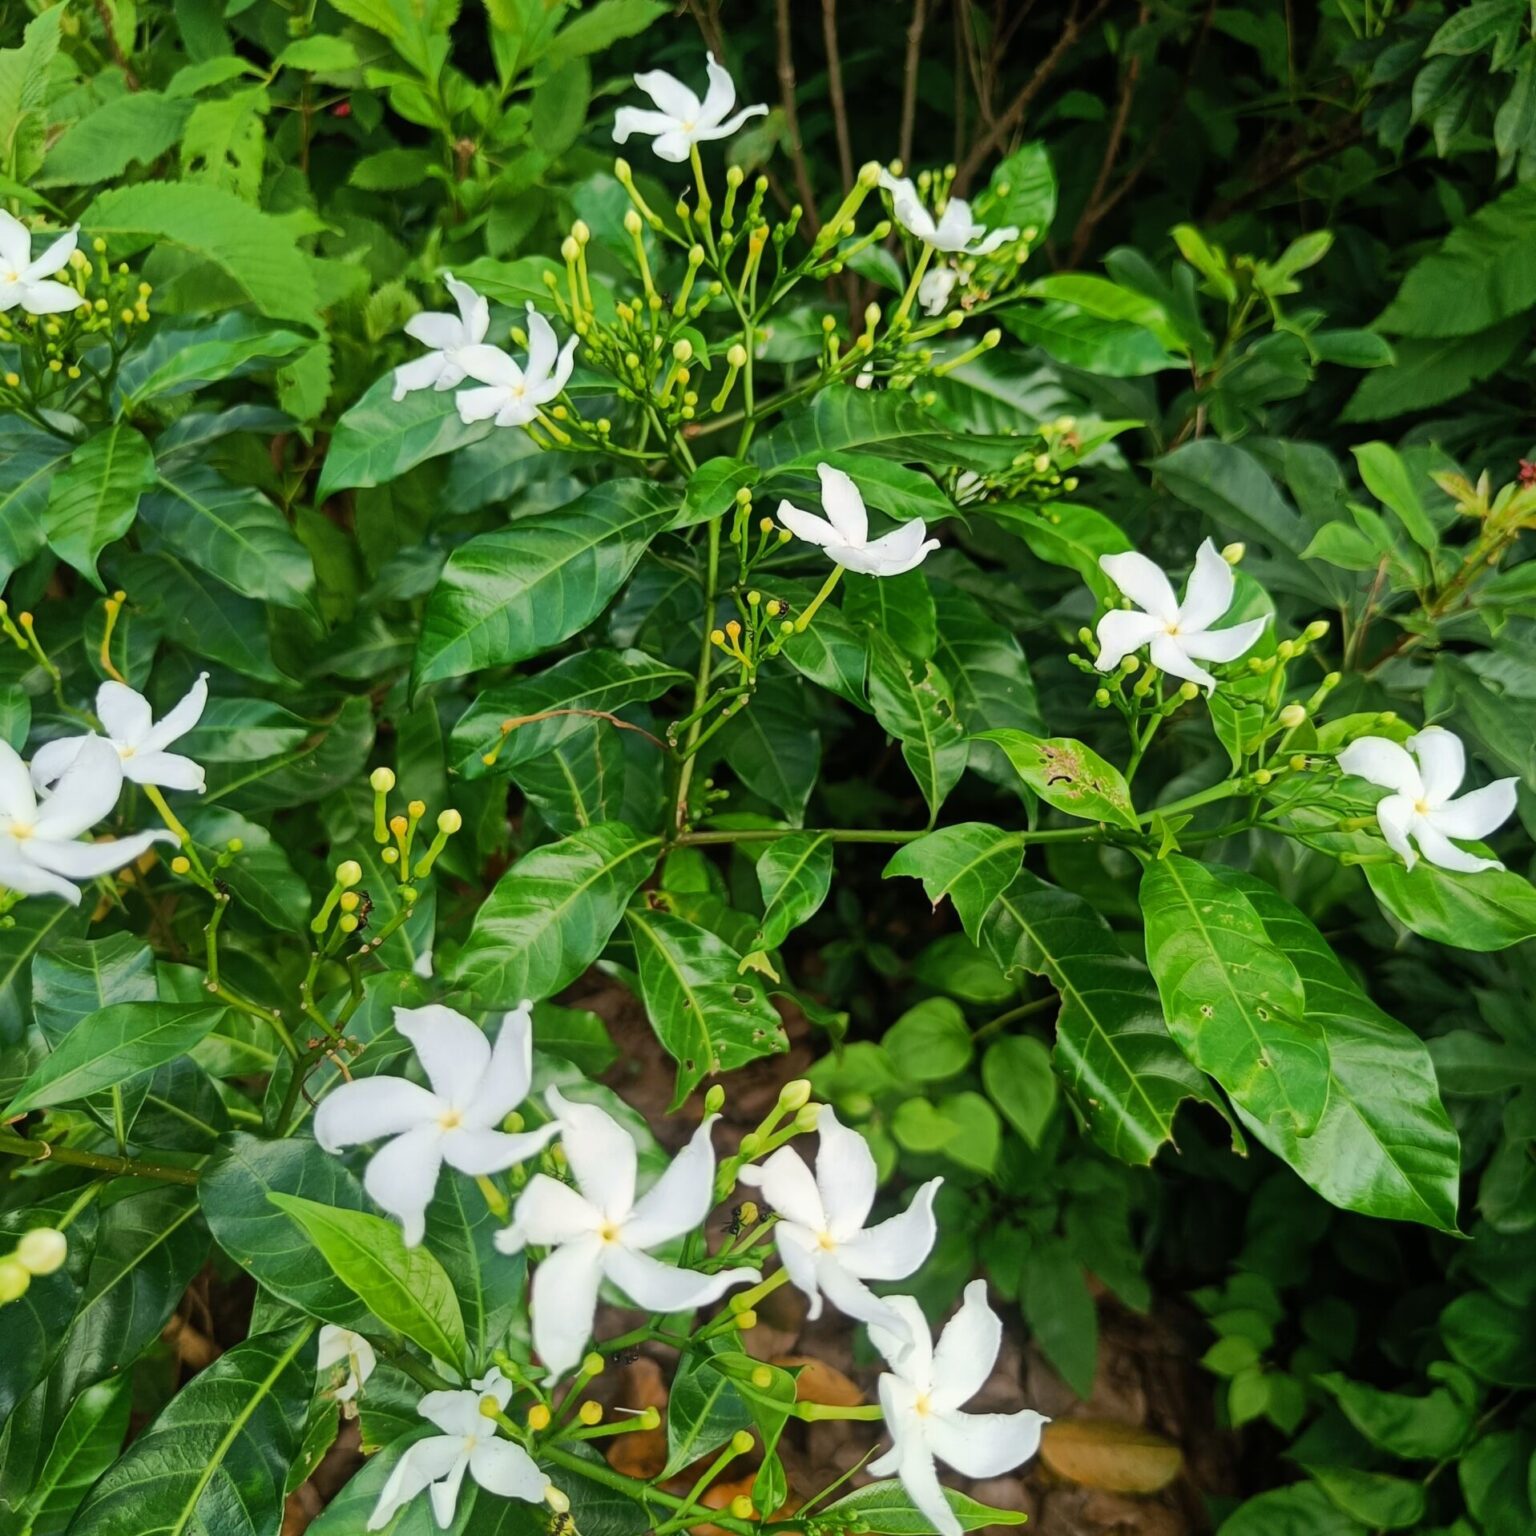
column 909, row 79
column 792, row 117
column 835, row 91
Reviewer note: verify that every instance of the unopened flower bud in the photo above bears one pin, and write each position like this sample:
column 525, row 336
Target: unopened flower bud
column 350, row 901
column 512, row 1122
column 347, row 922
column 1188, row 691
column 748, row 1213
column 1292, row 716
column 1298, row 764
column 741, row 1507
column 1333, row 679
column 590, row 1413
column 737, row 356
column 42, row 1250
column 348, row 873
column 1130, row 664
column 538, row 1417
column 556, row 1500
column 1101, row 697
column 382, row 780
column 1315, row 630
column 795, row 1095
column 714, row 1100
column 742, row 1441
column 682, row 349
column 650, row 1419
column 15, row 1277
column 751, row 1144
column 569, row 249
column 449, row 821
column 632, row 222
column 181, row 864
column 807, row 1117
column 1262, row 776
column 762, row 1377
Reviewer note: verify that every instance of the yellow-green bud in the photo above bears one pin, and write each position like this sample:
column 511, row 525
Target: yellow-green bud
column 449, row 821
column 556, row 1500
column 180, row 864
column 1101, row 697
column 348, row 873
column 741, row 1507
column 15, row 1277
column 538, row 1417
column 512, row 1122
column 650, row 1419
column 751, row 1144
column 1262, row 776
column 1188, row 691
column 632, row 222
column 1333, row 679
column 742, row 1442
column 1292, row 716
column 762, row 1377
column 390, row 855
column 1298, row 763
column 347, row 922
column 714, row 1100
column 350, row 901
column 746, row 1320
column 869, row 175
column 1234, row 552
column 592, row 1364
column 42, row 1250
column 806, row 1118
column 682, row 350
column 1315, row 630
column 590, row 1413
column 569, row 249
column 1130, row 664
column 581, row 231
column 1285, row 650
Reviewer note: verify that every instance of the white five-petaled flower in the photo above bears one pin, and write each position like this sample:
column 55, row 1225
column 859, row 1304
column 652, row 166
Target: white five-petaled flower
column 468, row 1443
column 1421, row 807
column 340, row 1346
column 453, row 1121
column 140, row 743
column 448, row 336
column 1178, row 635
column 934, row 290
column 599, row 1230
column 921, row 1401
column 821, row 1235
column 513, row 395
column 953, row 231
column 39, row 854
column 682, row 119
column 25, row 282
column 844, row 531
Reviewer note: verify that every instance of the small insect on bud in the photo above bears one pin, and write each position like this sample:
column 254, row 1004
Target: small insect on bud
column 15, row 1277
column 180, row 864
column 348, row 873
column 538, row 1417
column 590, row 1413
column 741, row 1507
column 714, row 1100
column 1292, row 716
column 1234, row 553
column 795, row 1095
column 42, row 1250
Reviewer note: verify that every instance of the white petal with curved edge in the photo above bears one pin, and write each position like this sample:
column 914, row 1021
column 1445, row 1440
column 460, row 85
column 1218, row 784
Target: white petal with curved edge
column 501, row 1467
column 445, row 1494
column 474, row 311
column 1142, row 582
column 454, row 1051
column 845, row 1175
column 54, row 257
column 84, row 861
column 892, row 554
column 332, row 1345
column 956, row 229
column 674, row 145
column 852, row 1297
column 479, row 1151
column 967, row 1350
column 662, row 1287
column 984, row 1444
column 1208, row 593
column 630, row 120
column 797, row 1252
column 1169, row 656
column 1120, row 633
column 1396, row 816
column 1382, row 762
column 84, row 795
column 11, row 293
column 909, row 1354
column 490, row 365
column 721, row 95
column 1442, row 762
column 48, row 298
column 670, row 94
column 401, row 1176
column 548, row 1213
column 517, row 413
column 806, row 525
column 179, row 718
column 893, row 1249
column 726, row 129
column 124, row 713
column 563, row 366
column 505, row 1083
column 454, row 1412
column 52, row 758
column 443, row 333
column 168, row 770
column 681, row 1198
column 19, row 874
column 920, row 1478
column 1222, row 644
column 789, row 1187
column 370, row 1107
column 1444, row 854
column 419, row 373
column 895, row 1404
column 18, row 802
column 15, row 243
column 493, row 1384
column 479, row 404
column 543, row 348
column 1477, row 813
column 601, row 1154
column 423, row 1463
column 564, row 1303
column 843, row 504
column 990, row 242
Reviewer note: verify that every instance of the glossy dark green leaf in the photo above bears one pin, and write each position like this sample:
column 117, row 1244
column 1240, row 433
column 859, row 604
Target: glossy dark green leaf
column 794, row 875
column 179, row 359
column 884, row 1509
column 970, row 862
column 772, row 748
column 1068, row 775
column 87, row 1444
column 704, row 1409
column 329, row 754
column 260, row 876
column 1486, row 911
column 1066, row 535
column 30, row 461
column 94, row 499
column 1416, row 1428
column 1020, row 1080
column 914, row 703
column 900, row 607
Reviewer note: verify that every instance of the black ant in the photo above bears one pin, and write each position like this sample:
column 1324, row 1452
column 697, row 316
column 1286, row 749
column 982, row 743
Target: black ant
column 735, row 1226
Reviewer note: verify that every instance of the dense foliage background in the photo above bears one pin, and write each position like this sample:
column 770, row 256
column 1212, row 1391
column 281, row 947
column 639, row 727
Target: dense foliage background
column 1280, row 290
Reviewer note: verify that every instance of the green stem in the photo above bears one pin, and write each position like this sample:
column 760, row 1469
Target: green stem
column 1223, row 791
column 642, row 1493
column 1013, row 1015
column 706, row 663
column 12, row 1145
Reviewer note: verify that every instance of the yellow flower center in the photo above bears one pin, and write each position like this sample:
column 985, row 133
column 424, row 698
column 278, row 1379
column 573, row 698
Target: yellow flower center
column 609, row 1232
column 1422, row 807
column 452, row 1120
column 21, row 830
column 922, row 1407
column 1171, row 629
column 126, row 752
column 826, row 1242
column 517, row 391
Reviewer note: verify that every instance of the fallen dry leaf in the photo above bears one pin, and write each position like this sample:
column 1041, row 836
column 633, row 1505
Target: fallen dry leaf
column 1119, row 1458
column 819, row 1382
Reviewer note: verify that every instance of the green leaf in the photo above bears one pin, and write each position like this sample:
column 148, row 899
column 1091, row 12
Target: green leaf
column 1059, row 1310
column 884, row 1509
column 1112, row 1046
column 1021, row 192
column 1375, row 1499
column 136, row 127
column 1430, row 372
column 575, row 1034
column 1496, row 1481
column 772, row 749
column 24, row 77
column 986, row 668
column 704, row 1409
column 86, row 1444
column 599, row 25
column 1385, row 1145
column 1486, row 911
column 1017, row 1074
column 381, row 438
column 913, row 702
column 900, row 607
column 113, row 1045
column 234, row 533
column 1493, row 1338
column 712, row 489
column 1303, row 1509
column 260, row 876
column 95, row 499
column 216, row 1456
column 1232, row 488
column 509, row 595
column 1232, row 999
column 550, row 916
column 930, row 1041
column 1116, row 349
column 971, row 863
column 1391, row 482
column 1067, row 535
column 79, row 977
column 252, row 249
column 176, row 361
column 29, row 463
column 1068, row 775
column 794, row 874
column 405, row 1288
column 709, row 1016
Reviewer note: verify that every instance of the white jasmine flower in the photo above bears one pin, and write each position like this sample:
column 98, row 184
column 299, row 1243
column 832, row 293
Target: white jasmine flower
column 140, row 743
column 954, row 231
column 25, row 282
column 448, row 336
column 513, row 395
column 683, row 120
column 844, row 532
column 340, row 1346
column 921, row 1401
column 39, row 854
column 473, row 1087
column 599, row 1230
column 934, row 290
column 468, row 1443
column 1423, row 776
column 821, row 1235
column 1178, row 636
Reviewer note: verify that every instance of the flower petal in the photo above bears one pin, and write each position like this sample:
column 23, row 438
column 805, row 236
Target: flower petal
column 49, row 298
column 920, row 1477
column 17, row 799
column 454, row 1052
column 543, row 348
column 789, row 1187
column 721, row 95
column 1208, row 593
column 892, row 554
column 1383, row 762
column 564, row 1302
column 1444, row 854
column 670, row 94
column 726, row 129
column 629, row 120
column 124, row 713
column 674, row 145
column 1397, row 817
column 517, row 412
column 455, row 1412
column 474, row 311
column 566, row 362
column 797, row 1252
column 419, row 373
column 1121, row 632
column 490, row 365
column 479, row 1151
column 29, row 879
column 433, row 328
column 984, row 1444
column 909, row 1353
column 845, row 1175
column 681, row 1198
column 806, row 525
column 423, row 1463
column 168, row 770
column 54, row 258
column 990, row 242
column 852, row 1297
column 843, row 504
column 401, row 1176
column 662, row 1287
column 445, row 1494
column 180, row 718
column 369, row 1108
column 1477, row 813
column 85, row 861
column 967, row 1350
column 1222, row 644
column 505, row 1083
column 85, row 793
column 895, row 1248
column 1442, row 762
column 15, row 242
column 1168, row 655
column 601, row 1154
column 51, row 760
column 548, row 1213
column 501, row 1467
column 1142, row 582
